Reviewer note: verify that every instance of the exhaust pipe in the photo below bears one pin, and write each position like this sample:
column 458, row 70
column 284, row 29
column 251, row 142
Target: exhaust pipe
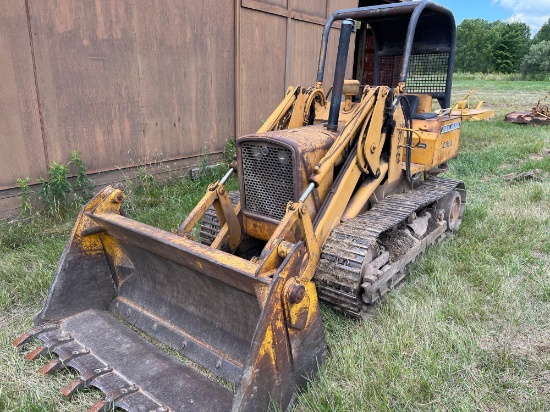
column 339, row 74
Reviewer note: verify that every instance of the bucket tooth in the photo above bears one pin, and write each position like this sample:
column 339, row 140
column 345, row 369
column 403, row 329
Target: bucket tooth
column 29, row 336
column 72, row 387
column 50, row 336
column 110, row 401
column 65, row 352
column 84, row 380
column 51, row 366
column 39, row 351
column 99, row 406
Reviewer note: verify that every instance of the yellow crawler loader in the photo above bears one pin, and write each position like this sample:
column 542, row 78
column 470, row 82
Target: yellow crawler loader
column 336, row 199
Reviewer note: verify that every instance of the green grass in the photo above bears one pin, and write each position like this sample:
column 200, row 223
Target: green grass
column 469, row 329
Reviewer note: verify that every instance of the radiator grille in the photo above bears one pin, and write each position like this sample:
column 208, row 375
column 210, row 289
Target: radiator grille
column 268, row 178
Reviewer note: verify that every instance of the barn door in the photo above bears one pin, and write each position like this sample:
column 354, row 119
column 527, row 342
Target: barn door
column 279, row 43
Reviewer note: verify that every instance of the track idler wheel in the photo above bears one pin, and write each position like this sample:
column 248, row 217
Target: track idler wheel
column 452, row 209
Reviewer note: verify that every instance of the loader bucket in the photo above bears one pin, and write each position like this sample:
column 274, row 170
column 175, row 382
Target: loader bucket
column 127, row 297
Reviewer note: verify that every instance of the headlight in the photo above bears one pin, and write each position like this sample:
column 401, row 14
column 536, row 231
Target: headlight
column 283, row 157
column 256, row 152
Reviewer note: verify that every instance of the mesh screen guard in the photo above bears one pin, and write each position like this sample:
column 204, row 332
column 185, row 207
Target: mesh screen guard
column 427, row 72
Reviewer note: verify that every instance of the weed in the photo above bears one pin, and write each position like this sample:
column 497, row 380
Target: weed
column 82, row 182
column 230, row 150
column 146, row 182
column 25, row 203
column 203, row 164
column 55, row 193
column 57, row 196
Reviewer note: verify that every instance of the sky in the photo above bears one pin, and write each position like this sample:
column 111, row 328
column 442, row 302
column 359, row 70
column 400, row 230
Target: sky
column 533, row 12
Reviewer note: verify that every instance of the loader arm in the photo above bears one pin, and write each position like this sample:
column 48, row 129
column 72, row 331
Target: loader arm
column 360, row 142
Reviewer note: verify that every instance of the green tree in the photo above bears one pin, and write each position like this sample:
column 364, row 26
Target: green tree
column 510, row 43
column 543, row 34
column 536, row 64
column 473, row 40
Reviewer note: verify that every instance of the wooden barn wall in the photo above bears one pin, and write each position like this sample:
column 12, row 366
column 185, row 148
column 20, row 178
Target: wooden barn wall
column 279, row 47
column 21, row 145
column 148, row 81
column 129, row 83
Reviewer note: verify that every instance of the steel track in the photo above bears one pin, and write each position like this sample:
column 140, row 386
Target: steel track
column 341, row 277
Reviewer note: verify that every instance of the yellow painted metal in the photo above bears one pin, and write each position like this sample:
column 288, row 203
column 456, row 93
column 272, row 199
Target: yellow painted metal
column 223, row 236
column 227, row 216
column 106, row 206
column 462, row 108
column 360, row 155
column 275, row 118
column 297, row 117
column 316, row 101
column 424, row 103
column 312, row 244
column 414, row 168
column 258, row 227
column 294, row 110
column 415, row 134
column 474, row 114
column 201, row 251
column 437, row 141
column 295, row 226
column 198, row 211
column 336, row 152
column 359, row 202
column 341, row 196
column 374, row 142
column 350, row 90
column 216, row 196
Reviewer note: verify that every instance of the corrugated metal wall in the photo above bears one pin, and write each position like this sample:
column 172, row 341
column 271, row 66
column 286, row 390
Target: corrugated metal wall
column 131, row 83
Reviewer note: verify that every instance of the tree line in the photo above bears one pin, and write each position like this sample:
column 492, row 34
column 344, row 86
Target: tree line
column 502, row 47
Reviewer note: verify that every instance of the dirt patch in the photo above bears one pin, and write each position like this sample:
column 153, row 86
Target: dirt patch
column 542, row 348
column 536, row 175
column 433, row 224
column 505, row 166
column 397, row 243
column 537, row 255
column 541, row 156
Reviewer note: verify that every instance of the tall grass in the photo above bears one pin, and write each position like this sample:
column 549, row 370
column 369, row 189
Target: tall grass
column 499, row 77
